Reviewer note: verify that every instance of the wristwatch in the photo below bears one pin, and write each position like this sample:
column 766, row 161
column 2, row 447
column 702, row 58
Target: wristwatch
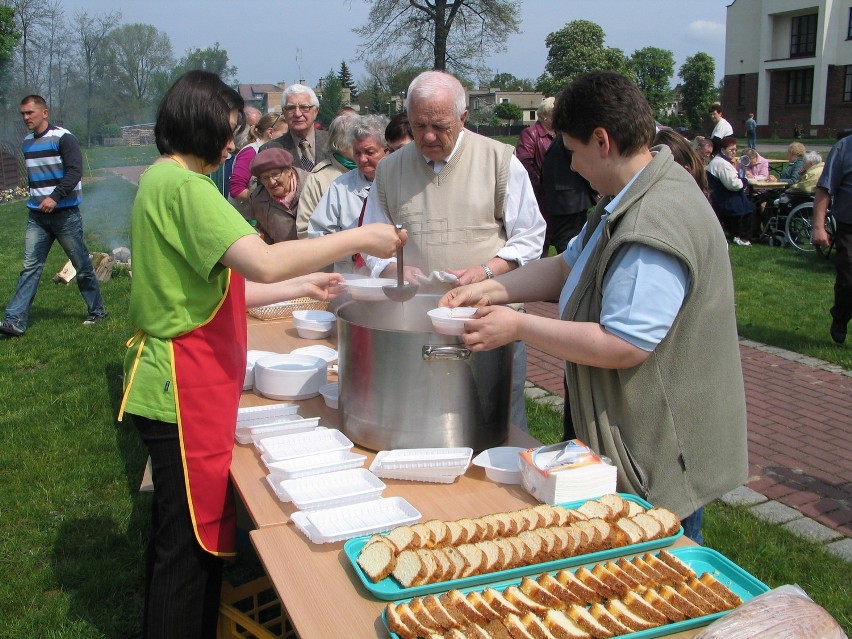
column 488, row 272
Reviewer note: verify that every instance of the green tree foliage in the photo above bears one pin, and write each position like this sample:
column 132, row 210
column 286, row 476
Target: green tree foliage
column 509, row 112
column 92, row 33
column 331, row 100
column 576, row 49
column 508, row 82
column 213, row 59
column 346, row 81
column 10, row 37
column 652, row 68
column 698, row 73
column 449, row 35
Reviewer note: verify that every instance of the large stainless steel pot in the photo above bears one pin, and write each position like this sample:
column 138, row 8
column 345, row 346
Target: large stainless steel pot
column 404, row 386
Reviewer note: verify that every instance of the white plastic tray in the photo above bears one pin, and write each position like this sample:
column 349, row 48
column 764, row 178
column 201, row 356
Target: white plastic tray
column 409, row 458
column 328, row 490
column 315, row 464
column 300, row 444
column 344, row 522
column 434, row 478
column 294, row 424
column 270, row 414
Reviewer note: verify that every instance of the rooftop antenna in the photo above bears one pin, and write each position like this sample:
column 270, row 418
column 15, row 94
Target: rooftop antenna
column 299, row 64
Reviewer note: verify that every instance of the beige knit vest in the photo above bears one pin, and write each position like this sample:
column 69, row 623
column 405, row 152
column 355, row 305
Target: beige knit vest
column 454, row 218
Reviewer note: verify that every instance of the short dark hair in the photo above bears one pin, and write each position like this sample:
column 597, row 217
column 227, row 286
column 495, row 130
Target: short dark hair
column 36, row 99
column 398, row 128
column 715, row 108
column 610, row 101
column 192, row 117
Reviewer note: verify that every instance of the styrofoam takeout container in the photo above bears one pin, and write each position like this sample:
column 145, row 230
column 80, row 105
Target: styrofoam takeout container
column 329, row 525
column 315, row 464
column 287, row 424
column 331, row 394
column 426, row 458
column 313, row 442
column 369, row 289
column 290, row 377
column 261, row 415
column 501, row 464
column 450, row 321
column 328, row 490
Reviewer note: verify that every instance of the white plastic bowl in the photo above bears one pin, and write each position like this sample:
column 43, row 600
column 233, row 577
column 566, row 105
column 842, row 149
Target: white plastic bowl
column 369, row 289
column 450, row 321
column 290, row 377
column 501, row 464
column 313, row 324
column 331, row 394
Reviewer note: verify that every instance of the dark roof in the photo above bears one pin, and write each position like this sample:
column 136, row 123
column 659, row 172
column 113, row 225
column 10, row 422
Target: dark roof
column 249, row 91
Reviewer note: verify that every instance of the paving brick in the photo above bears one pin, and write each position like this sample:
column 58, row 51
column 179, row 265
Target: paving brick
column 823, row 506
column 800, row 498
column 743, row 496
column 534, row 393
column 811, row 530
column 778, row 491
column 841, row 548
column 775, row 512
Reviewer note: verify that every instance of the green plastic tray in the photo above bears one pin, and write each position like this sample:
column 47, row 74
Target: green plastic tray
column 701, row 560
column 389, row 589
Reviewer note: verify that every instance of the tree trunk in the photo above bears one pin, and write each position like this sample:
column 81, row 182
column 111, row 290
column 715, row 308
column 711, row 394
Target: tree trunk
column 441, row 33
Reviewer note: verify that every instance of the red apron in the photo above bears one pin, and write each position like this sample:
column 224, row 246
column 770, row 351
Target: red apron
column 209, row 367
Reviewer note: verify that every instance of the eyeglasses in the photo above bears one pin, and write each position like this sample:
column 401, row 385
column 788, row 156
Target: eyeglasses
column 304, row 108
column 279, row 177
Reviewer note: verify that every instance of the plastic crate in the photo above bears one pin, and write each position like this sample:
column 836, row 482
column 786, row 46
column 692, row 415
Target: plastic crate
column 252, row 611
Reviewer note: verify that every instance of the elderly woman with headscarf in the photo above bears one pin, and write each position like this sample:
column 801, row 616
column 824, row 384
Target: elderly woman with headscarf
column 325, row 172
column 341, row 205
column 275, row 201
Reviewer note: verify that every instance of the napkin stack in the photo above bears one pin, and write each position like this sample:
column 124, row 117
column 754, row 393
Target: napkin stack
column 567, row 471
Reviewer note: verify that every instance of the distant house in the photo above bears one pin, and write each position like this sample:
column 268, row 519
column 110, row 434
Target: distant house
column 265, row 97
column 790, row 63
column 485, row 99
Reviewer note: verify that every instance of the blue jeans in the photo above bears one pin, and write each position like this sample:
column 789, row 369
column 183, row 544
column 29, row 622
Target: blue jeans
column 692, row 526
column 66, row 227
column 752, row 139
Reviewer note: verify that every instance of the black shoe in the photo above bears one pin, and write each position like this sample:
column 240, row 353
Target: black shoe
column 838, row 332
column 93, row 319
column 10, row 329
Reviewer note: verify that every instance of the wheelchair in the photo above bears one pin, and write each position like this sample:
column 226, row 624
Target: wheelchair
column 798, row 225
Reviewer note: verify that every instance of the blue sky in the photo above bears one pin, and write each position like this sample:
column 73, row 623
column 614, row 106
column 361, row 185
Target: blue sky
column 274, row 40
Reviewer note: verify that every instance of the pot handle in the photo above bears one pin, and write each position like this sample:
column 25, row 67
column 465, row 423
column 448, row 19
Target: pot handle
column 444, row 353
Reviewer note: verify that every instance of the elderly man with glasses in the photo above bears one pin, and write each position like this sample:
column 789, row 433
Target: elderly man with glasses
column 304, row 142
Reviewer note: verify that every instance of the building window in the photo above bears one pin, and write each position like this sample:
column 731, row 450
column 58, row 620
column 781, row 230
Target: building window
column 849, row 26
column 803, row 34
column 741, row 90
column 504, row 100
column 532, row 115
column 847, row 84
column 800, row 84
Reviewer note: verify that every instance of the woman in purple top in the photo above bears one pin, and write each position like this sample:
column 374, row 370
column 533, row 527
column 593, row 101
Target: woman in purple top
column 241, row 185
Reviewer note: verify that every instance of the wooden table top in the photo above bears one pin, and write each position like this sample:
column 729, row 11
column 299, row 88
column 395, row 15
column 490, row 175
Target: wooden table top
column 767, row 184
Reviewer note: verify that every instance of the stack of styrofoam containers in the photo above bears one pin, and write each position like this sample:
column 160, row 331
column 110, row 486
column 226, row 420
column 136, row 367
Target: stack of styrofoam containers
column 337, row 499
column 254, row 422
column 436, row 465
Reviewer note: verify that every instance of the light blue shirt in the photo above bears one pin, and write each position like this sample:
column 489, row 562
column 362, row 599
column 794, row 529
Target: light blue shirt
column 643, row 289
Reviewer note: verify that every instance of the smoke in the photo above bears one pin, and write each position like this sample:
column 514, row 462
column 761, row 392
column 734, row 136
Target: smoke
column 107, row 203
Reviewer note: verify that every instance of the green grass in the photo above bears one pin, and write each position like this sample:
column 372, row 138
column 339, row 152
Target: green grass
column 73, row 525
column 100, row 157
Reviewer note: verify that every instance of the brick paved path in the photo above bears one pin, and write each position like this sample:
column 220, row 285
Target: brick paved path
column 799, row 427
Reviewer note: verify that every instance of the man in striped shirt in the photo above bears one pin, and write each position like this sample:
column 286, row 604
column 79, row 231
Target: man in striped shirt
column 54, row 171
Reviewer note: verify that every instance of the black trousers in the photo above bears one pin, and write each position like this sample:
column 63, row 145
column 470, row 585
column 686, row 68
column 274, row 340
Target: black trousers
column 842, row 309
column 561, row 229
column 183, row 582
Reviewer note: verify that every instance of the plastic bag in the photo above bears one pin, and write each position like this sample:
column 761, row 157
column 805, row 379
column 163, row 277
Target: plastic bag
column 783, row 613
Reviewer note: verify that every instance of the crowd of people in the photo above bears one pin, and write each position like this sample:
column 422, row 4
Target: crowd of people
column 640, row 269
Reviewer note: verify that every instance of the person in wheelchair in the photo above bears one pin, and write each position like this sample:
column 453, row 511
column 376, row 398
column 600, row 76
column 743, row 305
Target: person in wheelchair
column 803, row 189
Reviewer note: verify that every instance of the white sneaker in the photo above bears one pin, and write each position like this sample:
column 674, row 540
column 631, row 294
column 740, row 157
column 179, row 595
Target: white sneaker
column 740, row 242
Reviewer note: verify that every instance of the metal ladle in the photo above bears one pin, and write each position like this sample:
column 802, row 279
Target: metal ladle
column 402, row 292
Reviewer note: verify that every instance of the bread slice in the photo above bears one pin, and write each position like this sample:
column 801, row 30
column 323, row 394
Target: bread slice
column 476, row 600
column 457, row 561
column 594, row 508
column 587, row 622
column 551, row 585
column 396, row 623
column 458, row 600
column 580, row 539
column 497, row 630
column 656, row 579
column 474, row 559
column 446, row 570
column 496, row 526
column 523, row 554
column 474, row 631
column 534, row 542
column 456, row 534
column 551, row 517
column 669, row 574
column 493, row 555
column 668, row 520
column 426, row 537
column 709, row 594
column 677, row 564
column 535, row 627
column 720, row 589
column 490, row 529
column 608, row 537
column 563, row 515
column 661, row 605
column 516, row 627
column 548, row 545
column 440, row 531
column 631, row 583
column 617, row 504
column 454, row 633
column 576, row 515
column 532, row 519
column 580, row 590
column 521, row 523
column 508, row 526
column 439, row 612
column 377, row 560
column 565, row 542
column 515, row 596
column 613, row 583
column 680, row 602
column 586, row 576
column 498, row 602
column 409, row 569
column 431, row 571
column 634, row 572
column 649, row 525
column 634, row 508
column 537, row 593
column 644, row 609
column 454, row 611
column 593, row 538
column 508, row 556
column 562, row 626
column 404, row 537
column 411, row 621
column 607, row 620
column 634, row 534
column 618, row 609
column 474, row 531
column 423, row 615
column 695, row 599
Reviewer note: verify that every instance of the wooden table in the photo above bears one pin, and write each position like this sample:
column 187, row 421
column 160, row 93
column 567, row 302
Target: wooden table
column 316, row 584
column 767, row 184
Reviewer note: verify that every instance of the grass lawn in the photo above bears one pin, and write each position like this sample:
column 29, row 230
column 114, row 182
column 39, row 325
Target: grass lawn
column 73, row 525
